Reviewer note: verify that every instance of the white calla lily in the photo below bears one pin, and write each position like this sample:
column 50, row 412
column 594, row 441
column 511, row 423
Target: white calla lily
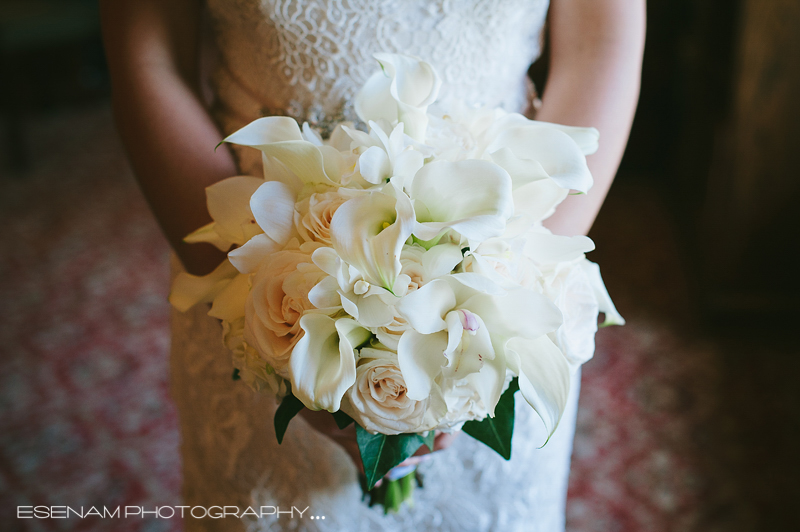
column 605, row 305
column 272, row 205
column 323, row 363
column 402, row 91
column 189, row 290
column 228, row 203
column 544, row 377
column 471, row 197
column 585, row 137
column 531, row 150
column 368, row 232
column 518, row 313
column 421, row 358
column 547, row 248
column 229, row 303
column 250, row 256
column 265, row 131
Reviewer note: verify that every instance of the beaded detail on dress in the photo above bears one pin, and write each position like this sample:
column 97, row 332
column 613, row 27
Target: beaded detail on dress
column 307, row 59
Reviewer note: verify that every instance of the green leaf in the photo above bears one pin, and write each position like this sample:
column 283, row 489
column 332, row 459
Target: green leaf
column 342, row 419
column 428, row 440
column 380, row 452
column 496, row 431
column 236, row 375
column 289, row 407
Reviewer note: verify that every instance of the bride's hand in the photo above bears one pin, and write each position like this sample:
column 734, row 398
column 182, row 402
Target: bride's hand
column 324, row 423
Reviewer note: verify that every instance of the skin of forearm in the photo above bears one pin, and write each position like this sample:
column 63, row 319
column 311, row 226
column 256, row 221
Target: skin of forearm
column 164, row 126
column 597, row 48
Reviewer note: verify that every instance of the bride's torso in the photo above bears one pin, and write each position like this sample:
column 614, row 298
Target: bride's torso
column 308, row 58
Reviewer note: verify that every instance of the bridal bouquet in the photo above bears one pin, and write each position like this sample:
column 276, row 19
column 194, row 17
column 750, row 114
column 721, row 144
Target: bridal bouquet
column 399, row 275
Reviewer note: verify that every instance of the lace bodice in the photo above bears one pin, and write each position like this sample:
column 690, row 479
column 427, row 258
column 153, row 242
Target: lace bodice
column 307, row 59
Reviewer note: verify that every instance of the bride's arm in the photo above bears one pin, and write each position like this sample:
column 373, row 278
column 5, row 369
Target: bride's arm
column 152, row 50
column 595, row 66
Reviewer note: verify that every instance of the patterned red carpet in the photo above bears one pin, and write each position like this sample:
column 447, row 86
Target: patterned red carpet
column 678, row 431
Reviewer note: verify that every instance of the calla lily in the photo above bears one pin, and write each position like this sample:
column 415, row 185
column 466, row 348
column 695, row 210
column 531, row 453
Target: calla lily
column 323, row 363
column 585, row 137
column 265, row 131
column 471, row 197
column 189, row 290
column 605, row 305
column 229, row 303
column 402, row 91
column 547, row 248
column 228, row 204
column 530, row 152
column 280, row 138
column 544, row 377
column 369, row 231
column 421, row 358
column 272, row 205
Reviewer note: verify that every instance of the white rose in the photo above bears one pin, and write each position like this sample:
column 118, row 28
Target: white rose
column 378, row 400
column 463, row 404
column 253, row 370
column 278, row 300
column 314, row 215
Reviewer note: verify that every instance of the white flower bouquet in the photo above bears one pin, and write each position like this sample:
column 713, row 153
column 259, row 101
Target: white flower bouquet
column 400, row 276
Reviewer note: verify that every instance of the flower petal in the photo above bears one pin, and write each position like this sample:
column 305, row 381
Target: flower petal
column 323, row 363
column 421, row 357
column 369, row 231
column 229, row 303
column 267, row 130
column 472, row 197
column 424, row 309
column 538, row 200
column 188, row 290
column 305, row 161
column 273, row 209
column 229, row 205
column 440, row 260
column 209, row 234
column 601, row 293
column 250, row 256
column 374, row 165
column 468, row 343
column 554, row 150
column 520, row 312
column 544, row 377
column 547, row 248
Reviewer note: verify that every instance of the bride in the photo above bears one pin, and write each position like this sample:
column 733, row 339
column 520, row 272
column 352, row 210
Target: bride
column 306, row 59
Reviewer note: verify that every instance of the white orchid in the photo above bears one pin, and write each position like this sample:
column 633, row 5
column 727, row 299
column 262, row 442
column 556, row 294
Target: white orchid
column 459, row 332
column 385, row 153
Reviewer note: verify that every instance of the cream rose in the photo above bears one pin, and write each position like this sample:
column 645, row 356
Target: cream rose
column 378, row 400
column 278, row 300
column 314, row 214
column 253, row 370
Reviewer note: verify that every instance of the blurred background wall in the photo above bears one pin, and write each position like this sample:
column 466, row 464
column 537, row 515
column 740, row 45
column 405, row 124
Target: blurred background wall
column 690, row 414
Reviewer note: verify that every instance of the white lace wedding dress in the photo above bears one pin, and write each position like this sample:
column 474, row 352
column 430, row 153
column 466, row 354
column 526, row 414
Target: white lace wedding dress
column 306, row 59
